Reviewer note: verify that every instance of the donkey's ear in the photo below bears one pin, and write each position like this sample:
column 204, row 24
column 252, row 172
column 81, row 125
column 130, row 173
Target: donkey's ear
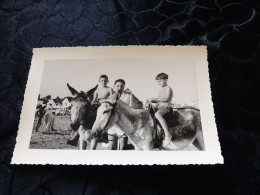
column 91, row 91
column 72, row 90
column 113, row 98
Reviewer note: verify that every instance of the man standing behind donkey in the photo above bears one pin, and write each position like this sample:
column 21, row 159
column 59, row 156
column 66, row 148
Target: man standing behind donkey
column 40, row 112
column 116, row 137
column 114, row 132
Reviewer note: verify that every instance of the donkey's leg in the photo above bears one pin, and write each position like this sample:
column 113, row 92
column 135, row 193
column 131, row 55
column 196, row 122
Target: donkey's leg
column 148, row 143
column 82, row 143
column 134, row 142
column 148, row 139
column 138, row 148
column 199, row 141
column 148, row 146
column 93, row 144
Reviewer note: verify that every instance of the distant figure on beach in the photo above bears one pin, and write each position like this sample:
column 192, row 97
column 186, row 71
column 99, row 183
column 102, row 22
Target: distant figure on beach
column 48, row 121
column 40, row 112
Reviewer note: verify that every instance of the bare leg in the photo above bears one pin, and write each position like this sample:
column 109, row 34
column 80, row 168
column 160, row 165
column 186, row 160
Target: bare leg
column 168, row 136
column 112, row 142
column 199, row 142
column 122, row 143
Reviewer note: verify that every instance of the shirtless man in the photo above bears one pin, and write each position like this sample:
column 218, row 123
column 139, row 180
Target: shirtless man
column 163, row 102
column 114, row 131
column 116, row 137
column 103, row 91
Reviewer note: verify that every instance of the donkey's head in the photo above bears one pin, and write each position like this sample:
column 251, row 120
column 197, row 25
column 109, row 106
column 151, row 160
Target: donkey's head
column 105, row 116
column 80, row 107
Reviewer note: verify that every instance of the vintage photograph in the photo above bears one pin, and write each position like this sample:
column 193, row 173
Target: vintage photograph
column 118, row 105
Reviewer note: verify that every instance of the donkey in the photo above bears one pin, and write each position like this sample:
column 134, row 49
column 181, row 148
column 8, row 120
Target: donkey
column 83, row 115
column 139, row 125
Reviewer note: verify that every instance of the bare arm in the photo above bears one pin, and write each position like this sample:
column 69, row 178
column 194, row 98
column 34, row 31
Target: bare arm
column 95, row 96
column 111, row 91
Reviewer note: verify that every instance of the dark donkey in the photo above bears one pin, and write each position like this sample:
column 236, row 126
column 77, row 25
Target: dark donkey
column 83, row 115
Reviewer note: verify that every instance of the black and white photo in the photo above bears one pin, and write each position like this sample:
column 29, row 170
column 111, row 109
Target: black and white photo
column 111, row 103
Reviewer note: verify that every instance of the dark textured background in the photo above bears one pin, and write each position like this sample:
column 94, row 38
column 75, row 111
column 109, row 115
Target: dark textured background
column 227, row 27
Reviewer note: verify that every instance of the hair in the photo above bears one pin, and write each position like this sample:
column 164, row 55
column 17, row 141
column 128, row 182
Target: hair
column 161, row 76
column 38, row 106
column 119, row 80
column 103, row 76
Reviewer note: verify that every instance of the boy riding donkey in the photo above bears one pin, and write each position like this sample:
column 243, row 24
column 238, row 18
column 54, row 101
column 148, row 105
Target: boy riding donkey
column 162, row 105
column 100, row 94
column 103, row 91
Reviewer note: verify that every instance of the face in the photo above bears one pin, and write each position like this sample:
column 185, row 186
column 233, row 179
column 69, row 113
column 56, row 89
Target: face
column 162, row 82
column 76, row 114
column 119, row 87
column 103, row 82
column 103, row 119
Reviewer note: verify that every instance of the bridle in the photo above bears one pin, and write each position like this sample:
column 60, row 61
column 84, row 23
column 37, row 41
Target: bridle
column 86, row 104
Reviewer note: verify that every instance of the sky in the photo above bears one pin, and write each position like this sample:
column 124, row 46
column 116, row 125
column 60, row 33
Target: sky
column 139, row 75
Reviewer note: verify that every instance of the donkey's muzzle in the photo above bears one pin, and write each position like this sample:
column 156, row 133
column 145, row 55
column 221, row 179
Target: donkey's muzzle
column 74, row 127
column 95, row 134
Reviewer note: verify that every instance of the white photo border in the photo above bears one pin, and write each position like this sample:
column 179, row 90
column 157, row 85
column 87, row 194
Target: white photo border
column 24, row 155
